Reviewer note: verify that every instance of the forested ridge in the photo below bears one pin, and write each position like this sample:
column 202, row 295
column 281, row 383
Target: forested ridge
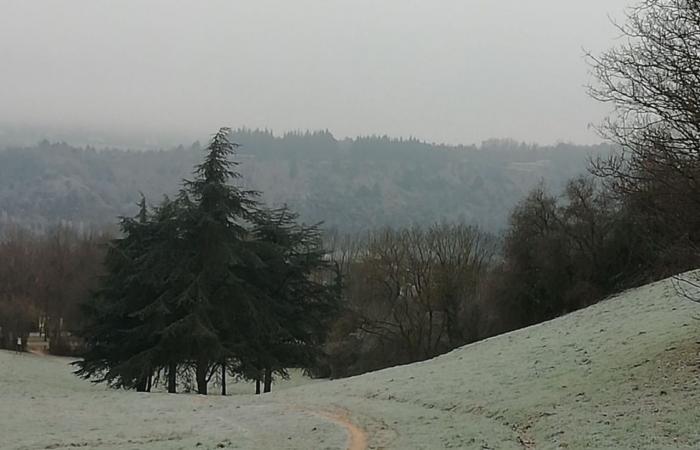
column 349, row 184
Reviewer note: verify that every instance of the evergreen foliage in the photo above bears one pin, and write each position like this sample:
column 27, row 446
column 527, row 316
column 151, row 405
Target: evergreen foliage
column 208, row 281
column 297, row 298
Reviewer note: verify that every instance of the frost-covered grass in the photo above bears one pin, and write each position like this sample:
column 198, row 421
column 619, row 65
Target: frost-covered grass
column 621, row 374
column 44, row 406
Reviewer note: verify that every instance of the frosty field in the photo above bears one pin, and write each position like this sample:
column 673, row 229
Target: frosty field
column 620, row 374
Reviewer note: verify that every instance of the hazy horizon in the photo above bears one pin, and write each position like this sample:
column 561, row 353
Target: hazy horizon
column 458, row 73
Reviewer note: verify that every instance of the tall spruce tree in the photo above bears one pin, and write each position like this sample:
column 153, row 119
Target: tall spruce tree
column 110, row 310
column 208, row 281
column 164, row 241
column 294, row 299
column 210, row 290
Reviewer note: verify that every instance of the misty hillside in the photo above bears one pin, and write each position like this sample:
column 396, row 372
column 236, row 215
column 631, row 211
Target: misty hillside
column 349, row 184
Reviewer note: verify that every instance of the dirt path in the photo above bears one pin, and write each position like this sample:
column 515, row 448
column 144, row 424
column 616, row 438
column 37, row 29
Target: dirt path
column 37, row 346
column 357, row 437
column 37, row 351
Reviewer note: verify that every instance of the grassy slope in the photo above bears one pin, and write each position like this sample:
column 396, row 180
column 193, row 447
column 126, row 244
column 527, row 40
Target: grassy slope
column 621, row 374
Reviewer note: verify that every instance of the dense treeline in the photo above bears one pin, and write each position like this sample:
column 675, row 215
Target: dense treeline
column 411, row 294
column 408, row 295
column 414, row 293
column 43, row 280
column 565, row 252
column 562, row 253
column 350, row 184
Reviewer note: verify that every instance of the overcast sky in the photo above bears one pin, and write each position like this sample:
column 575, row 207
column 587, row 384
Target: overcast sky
column 456, row 71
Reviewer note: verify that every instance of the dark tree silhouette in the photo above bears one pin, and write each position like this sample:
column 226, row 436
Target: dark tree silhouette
column 652, row 81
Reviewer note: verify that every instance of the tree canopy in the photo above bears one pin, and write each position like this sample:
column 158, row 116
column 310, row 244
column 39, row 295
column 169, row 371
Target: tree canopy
column 209, row 280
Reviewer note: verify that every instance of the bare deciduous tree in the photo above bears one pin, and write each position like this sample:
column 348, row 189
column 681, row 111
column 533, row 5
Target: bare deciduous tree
column 44, row 278
column 652, row 80
column 412, row 293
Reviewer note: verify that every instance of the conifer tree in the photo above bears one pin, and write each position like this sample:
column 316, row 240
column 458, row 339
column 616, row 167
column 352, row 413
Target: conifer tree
column 159, row 312
column 110, row 310
column 294, row 302
column 208, row 281
column 210, row 290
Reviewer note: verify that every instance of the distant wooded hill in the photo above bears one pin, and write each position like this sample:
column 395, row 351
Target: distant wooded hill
column 350, row 184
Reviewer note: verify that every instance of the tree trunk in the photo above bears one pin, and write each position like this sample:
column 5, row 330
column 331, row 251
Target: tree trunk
column 268, row 380
column 257, row 386
column 141, row 386
column 149, row 384
column 223, row 379
column 202, row 369
column 172, row 378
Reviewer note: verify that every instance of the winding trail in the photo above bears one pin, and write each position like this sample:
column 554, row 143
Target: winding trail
column 357, row 437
